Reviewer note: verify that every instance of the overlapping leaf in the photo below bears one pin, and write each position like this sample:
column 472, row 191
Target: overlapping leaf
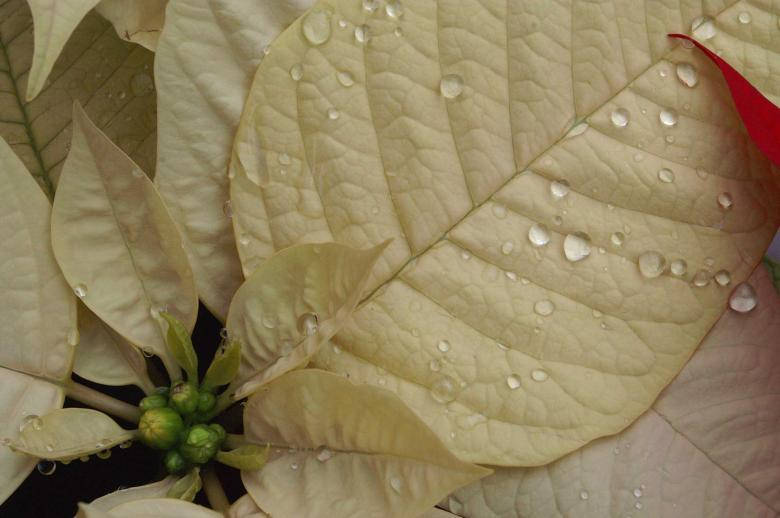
column 139, row 21
column 444, row 125
column 154, row 490
column 157, row 507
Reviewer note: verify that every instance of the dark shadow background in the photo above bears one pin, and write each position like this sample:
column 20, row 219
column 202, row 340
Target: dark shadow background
column 57, row 495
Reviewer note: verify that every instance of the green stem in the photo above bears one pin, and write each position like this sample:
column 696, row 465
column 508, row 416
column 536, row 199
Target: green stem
column 103, row 402
column 235, row 440
column 214, row 492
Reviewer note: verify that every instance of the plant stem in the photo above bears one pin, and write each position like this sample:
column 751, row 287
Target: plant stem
column 235, row 440
column 214, row 492
column 103, row 402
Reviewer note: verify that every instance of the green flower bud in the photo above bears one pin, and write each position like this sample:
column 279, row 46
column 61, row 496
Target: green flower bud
column 153, row 401
column 221, row 431
column 160, row 428
column 174, row 462
column 201, row 444
column 206, row 401
column 184, row 397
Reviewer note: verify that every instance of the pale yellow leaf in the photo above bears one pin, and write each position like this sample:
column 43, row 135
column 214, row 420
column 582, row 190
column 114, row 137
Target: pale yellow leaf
column 69, row 433
column 103, row 356
column 707, row 449
column 150, row 508
column 446, row 131
column 38, row 313
column 139, row 21
column 154, row 490
column 293, row 303
column 207, row 55
column 380, row 461
column 21, row 398
column 116, row 243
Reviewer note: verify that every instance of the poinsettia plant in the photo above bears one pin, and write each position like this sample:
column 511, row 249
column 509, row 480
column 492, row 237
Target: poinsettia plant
column 539, row 220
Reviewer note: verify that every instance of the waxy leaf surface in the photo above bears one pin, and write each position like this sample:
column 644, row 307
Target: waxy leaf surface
column 116, row 243
column 445, row 128
column 139, row 21
column 356, row 451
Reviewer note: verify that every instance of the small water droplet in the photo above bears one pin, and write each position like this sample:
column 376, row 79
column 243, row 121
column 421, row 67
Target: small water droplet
column 544, row 308
column 725, row 201
column 687, row 74
column 451, row 86
column 577, row 130
column 701, row 279
column 513, row 382
column 507, row 247
column 444, row 389
column 584, row 495
column 524, row 280
column 620, row 117
column 679, row 267
column 616, row 450
column 324, row 454
column 666, row 175
column 362, row 34
column 434, row 365
column 668, row 117
column 637, row 492
column 638, row 505
column 617, row 238
column 293, row 466
column 465, row 255
column 122, row 95
column 345, row 78
column 669, row 139
column 744, row 298
column 576, row 247
column 103, row 454
column 394, row 9
column 539, row 375
column 46, row 467
column 443, row 346
column 371, row 5
column 499, row 211
column 398, row 32
column 723, row 277
column 243, row 239
column 316, row 27
column 703, row 28
column 651, row 264
column 296, row 72
column 147, row 352
column 396, row 483
column 308, row 323
column 343, row 23
column 80, row 290
column 512, row 276
column 639, row 157
column 744, row 17
column 559, row 189
column 333, row 114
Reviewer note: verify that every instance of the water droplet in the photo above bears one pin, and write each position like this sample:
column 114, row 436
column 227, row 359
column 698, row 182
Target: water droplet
column 371, row 5
column 293, row 466
column 618, row 238
column 513, row 382
column 443, row 346
column 345, row 79
column 333, row 114
column 559, row 189
column 362, row 34
column 668, row 117
column 637, row 492
column 725, row 201
column 666, row 175
column 398, row 32
column 679, row 267
column 80, row 290
column 524, row 280
column 147, row 352
column 557, row 220
column 434, row 365
column 296, row 72
column 544, row 308
column 324, row 454
column 512, row 276
column 744, row 298
column 703, row 28
column 744, row 17
column 507, row 247
column 576, row 247
column 227, row 209
column 465, row 255
column 141, row 84
column 243, row 239
column 316, row 27
column 499, row 211
column 394, row 9
column 723, row 277
column 343, row 23
column 539, row 375
column 451, row 86
column 269, row 321
column 687, row 74
column 73, row 337
column 669, row 139
column 701, row 279
column 31, row 420
column 620, row 117
column 308, row 323
column 396, row 483
column 651, row 264
column 468, row 422
column 125, row 445
column 709, row 261
column 46, row 467
column 638, row 505
column 577, row 130
column 103, row 454
column 444, row 389
column 584, row 495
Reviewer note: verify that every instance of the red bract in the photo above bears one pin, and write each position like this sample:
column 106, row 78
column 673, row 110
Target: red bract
column 760, row 116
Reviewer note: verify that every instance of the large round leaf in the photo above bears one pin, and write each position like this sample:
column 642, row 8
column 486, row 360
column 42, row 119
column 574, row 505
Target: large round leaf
column 451, row 126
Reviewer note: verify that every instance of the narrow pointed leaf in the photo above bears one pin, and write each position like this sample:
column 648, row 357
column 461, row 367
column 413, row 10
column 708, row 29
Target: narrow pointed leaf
column 224, row 366
column 249, row 457
column 116, row 243
column 180, row 346
column 186, row 487
column 157, row 489
column 381, row 460
column 292, row 304
column 68, row 433
column 139, row 21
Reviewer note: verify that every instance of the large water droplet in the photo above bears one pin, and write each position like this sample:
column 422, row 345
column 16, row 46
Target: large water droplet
column 666, row 175
column 679, row 267
column 701, row 279
column 308, row 323
column 296, row 72
column 345, row 78
column 703, row 28
column 539, row 375
column 46, row 467
column 396, row 483
column 576, row 247
column 513, row 381
column 80, row 290
column 651, row 264
column 451, row 86
column 744, row 298
column 394, row 9
column 507, row 247
column 559, row 189
column 444, row 389
column 744, row 17
column 620, row 117
column 362, row 34
column 725, row 201
column 544, row 308
column 141, row 84
column 617, row 238
column 687, row 74
column 443, row 346
column 668, row 117
column 538, row 234
column 723, row 277
column 316, row 27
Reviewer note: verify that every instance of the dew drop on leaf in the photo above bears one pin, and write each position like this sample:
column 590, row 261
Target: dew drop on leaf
column 620, row 117
column 324, row 454
column 80, row 290
column 538, row 234
column 618, row 238
column 434, row 365
column 296, row 72
column 46, row 467
column 544, row 308
column 345, row 79
column 576, row 247
column 394, row 9
column 744, row 17
column 559, row 189
column 507, row 247
column 308, row 323
column 744, row 298
column 371, row 5
column 637, row 492
column 725, row 201
column 584, row 495
column 293, row 466
column 679, row 267
column 513, row 382
column 444, row 389
column 316, row 27
column 651, row 264
column 666, row 175
column 701, row 279
column 397, row 484
column 362, row 34
column 103, row 454
column 668, row 117
column 703, row 28
column 687, row 74
column 722, row 277
column 333, row 114
column 499, row 211
column 539, row 375
column 73, row 337
column 443, row 346
column 451, row 86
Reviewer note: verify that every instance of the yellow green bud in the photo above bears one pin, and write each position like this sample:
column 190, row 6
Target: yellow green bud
column 184, row 397
column 160, row 428
column 153, row 401
column 206, row 401
column 174, row 462
column 201, row 444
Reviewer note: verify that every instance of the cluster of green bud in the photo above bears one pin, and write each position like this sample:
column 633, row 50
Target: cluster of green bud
column 173, row 420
